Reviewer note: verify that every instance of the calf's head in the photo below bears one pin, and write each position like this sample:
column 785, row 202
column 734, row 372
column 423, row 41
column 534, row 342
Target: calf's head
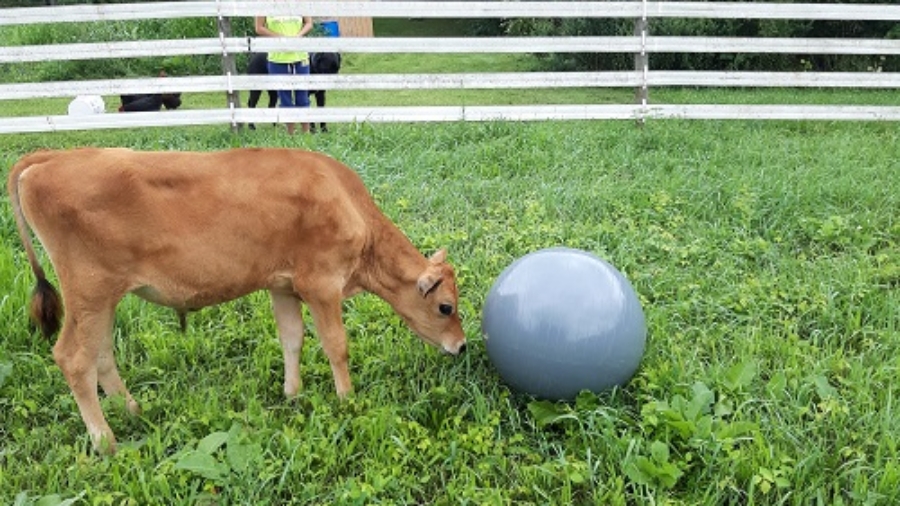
column 434, row 314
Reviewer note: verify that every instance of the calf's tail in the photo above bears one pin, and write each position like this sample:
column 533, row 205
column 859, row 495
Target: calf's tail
column 46, row 306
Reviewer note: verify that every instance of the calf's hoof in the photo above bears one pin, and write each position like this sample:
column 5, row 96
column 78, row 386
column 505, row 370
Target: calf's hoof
column 291, row 389
column 104, row 443
column 133, row 407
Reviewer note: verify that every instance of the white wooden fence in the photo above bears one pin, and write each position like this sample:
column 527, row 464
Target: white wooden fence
column 641, row 44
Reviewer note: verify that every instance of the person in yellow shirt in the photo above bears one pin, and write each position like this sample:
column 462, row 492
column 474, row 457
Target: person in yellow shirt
column 288, row 62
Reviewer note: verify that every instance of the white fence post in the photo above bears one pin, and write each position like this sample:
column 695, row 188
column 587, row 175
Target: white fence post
column 642, row 63
column 229, row 67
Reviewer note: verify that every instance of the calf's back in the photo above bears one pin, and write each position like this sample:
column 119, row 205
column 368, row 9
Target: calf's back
column 192, row 229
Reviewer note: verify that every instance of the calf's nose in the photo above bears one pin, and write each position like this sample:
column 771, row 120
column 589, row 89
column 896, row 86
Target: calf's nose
column 455, row 349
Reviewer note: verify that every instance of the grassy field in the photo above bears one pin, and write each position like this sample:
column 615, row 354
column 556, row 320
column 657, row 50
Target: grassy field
column 766, row 256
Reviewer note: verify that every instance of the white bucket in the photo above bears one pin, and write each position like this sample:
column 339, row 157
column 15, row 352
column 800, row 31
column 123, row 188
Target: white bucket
column 86, row 104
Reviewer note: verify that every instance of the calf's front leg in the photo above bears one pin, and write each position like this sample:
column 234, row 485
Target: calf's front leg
column 326, row 313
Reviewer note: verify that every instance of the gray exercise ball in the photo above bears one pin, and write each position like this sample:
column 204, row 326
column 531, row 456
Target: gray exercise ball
column 560, row 320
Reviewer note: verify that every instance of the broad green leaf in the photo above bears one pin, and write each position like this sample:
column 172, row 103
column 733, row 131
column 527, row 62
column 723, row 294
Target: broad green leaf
column 55, row 500
column 702, row 401
column 723, row 408
column 576, row 478
column 824, row 388
column 70, row 501
column 659, row 451
column 49, row 500
column 204, row 465
column 666, row 474
column 636, row 474
column 735, row 429
column 587, row 401
column 5, row 372
column 777, row 385
column 669, row 474
column 685, row 429
column 703, row 427
column 241, row 455
column 679, row 407
column 212, row 442
column 647, row 468
column 547, row 413
column 741, row 375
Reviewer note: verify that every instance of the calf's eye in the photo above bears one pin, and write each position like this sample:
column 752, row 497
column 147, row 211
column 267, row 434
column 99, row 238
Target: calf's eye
column 446, row 309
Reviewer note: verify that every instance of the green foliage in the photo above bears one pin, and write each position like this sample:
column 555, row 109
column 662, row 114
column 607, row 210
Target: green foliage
column 222, row 458
column 764, row 254
column 714, row 28
column 47, row 500
column 150, row 29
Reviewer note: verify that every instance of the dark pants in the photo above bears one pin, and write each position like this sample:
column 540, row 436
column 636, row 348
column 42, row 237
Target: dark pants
column 258, row 66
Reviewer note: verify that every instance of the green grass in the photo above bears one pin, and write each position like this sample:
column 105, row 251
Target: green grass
column 765, row 256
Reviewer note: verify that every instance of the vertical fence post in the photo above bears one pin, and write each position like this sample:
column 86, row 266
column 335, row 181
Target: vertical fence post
column 229, row 68
column 642, row 64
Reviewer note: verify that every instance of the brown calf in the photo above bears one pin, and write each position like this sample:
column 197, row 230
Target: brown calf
column 189, row 230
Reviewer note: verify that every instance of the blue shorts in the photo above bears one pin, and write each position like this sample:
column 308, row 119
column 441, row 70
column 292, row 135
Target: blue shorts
column 290, row 98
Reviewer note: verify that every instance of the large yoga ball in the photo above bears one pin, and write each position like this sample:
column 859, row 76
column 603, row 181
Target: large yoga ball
column 561, row 320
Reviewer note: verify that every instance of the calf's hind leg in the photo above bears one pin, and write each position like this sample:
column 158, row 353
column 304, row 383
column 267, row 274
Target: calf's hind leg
column 108, row 373
column 77, row 353
column 290, row 332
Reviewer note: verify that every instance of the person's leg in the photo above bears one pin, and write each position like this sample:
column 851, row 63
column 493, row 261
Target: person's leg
column 302, row 96
column 320, row 102
column 254, row 98
column 285, row 97
column 259, row 66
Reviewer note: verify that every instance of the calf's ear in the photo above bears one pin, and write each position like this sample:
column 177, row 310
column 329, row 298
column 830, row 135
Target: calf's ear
column 439, row 256
column 429, row 280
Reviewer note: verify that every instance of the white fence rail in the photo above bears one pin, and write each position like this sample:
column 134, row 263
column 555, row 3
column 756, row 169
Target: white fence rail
column 510, row 80
column 641, row 78
column 449, row 45
column 450, row 114
column 486, row 9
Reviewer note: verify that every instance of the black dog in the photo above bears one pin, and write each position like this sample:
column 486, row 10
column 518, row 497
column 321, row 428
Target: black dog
column 150, row 101
column 323, row 63
column 153, row 102
column 319, row 63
